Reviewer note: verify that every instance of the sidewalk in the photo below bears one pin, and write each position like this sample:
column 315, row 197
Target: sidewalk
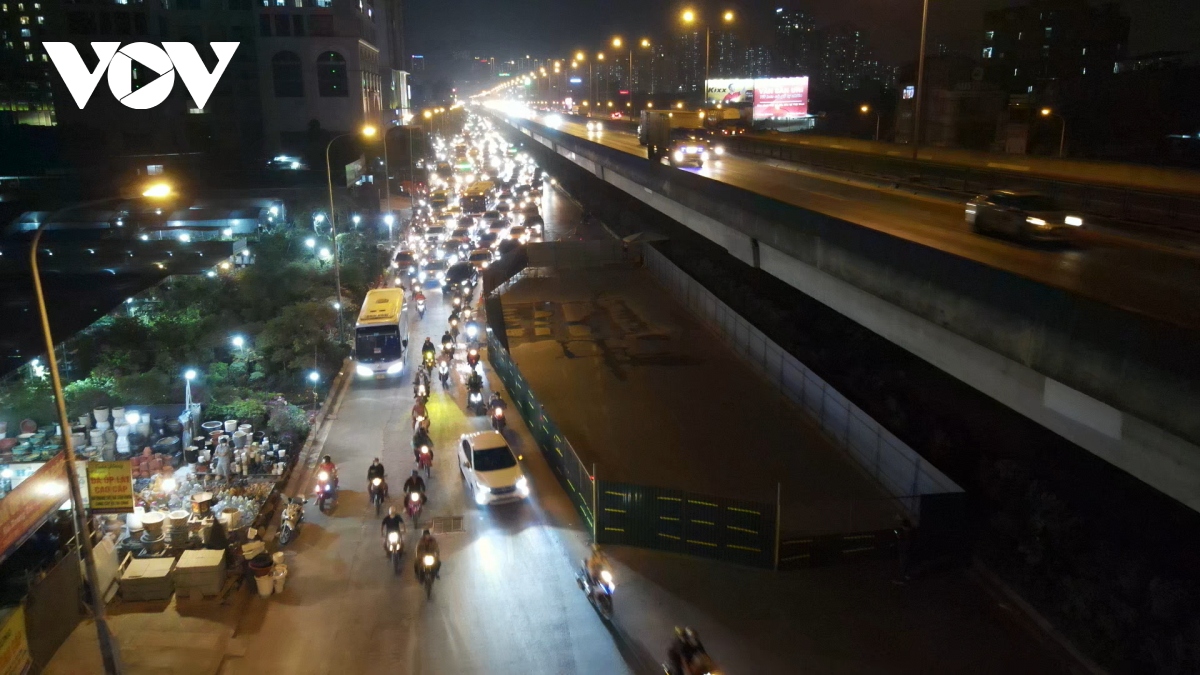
column 157, row 638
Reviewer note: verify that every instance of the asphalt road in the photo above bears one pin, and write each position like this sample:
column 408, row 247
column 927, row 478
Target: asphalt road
column 507, row 603
column 1135, row 276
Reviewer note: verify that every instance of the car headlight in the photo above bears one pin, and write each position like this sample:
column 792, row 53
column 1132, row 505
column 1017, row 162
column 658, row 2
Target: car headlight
column 523, row 485
column 392, row 370
column 483, row 489
column 606, row 577
column 363, row 371
column 1074, row 221
column 678, row 156
column 1036, row 222
column 720, row 150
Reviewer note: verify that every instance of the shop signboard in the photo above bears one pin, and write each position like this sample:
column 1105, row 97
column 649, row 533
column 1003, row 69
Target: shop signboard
column 29, row 503
column 781, row 98
column 730, row 91
column 14, row 647
column 110, row 487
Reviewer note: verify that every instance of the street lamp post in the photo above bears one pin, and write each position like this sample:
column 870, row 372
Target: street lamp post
column 616, row 43
column 367, row 131
column 864, row 108
column 314, row 377
column 688, row 17
column 109, row 654
column 1062, row 138
column 920, row 93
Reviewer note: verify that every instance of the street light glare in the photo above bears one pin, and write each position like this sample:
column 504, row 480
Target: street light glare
column 688, row 16
column 239, row 341
column 645, row 42
column 600, row 56
column 157, row 190
column 368, row 131
column 189, row 375
column 865, row 108
column 310, row 242
column 313, row 377
column 728, row 16
column 1045, row 112
column 616, row 42
column 579, row 56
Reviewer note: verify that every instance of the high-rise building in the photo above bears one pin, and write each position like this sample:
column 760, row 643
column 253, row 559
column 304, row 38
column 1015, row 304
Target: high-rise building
column 727, row 54
column 393, row 66
column 689, row 63
column 846, row 64
column 661, row 70
column 228, row 126
column 757, row 61
column 319, row 64
column 26, row 91
column 797, row 45
column 1049, row 40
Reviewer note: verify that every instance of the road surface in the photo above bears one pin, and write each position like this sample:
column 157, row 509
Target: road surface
column 1135, row 277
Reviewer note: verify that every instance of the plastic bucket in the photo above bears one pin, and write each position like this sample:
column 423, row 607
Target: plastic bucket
column 279, row 577
column 266, row 586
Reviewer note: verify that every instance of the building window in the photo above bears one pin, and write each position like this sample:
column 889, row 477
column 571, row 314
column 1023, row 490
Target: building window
column 990, row 35
column 264, row 25
column 25, row 32
column 154, row 169
column 987, row 52
column 281, row 3
column 331, row 75
column 1085, row 71
column 26, row 45
column 299, row 3
column 1015, row 70
column 325, row 3
column 1049, row 31
column 41, row 21
column 1029, row 89
column 298, row 25
column 24, row 21
column 1084, row 51
column 320, row 26
column 283, row 25
column 29, row 58
column 1020, row 34
column 287, row 75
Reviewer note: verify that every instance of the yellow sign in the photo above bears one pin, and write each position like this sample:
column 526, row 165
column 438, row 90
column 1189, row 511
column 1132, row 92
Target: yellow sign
column 110, row 487
column 14, row 649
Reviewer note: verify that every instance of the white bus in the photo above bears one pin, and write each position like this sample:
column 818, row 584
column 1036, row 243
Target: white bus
column 381, row 334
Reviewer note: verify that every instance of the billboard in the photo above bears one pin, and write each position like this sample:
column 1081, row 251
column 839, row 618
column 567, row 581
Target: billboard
column 781, row 98
column 730, row 91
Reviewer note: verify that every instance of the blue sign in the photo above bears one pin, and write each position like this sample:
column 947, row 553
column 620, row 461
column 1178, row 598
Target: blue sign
column 576, row 80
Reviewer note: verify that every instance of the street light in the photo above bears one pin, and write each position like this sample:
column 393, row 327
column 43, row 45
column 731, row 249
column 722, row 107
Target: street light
column 238, row 341
column 310, row 242
column 920, row 93
column 617, row 42
column 688, row 17
column 864, row 109
column 1062, row 138
column 367, row 131
column 157, row 190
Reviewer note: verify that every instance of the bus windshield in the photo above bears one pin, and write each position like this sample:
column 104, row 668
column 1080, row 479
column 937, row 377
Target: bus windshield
column 376, row 344
column 473, row 203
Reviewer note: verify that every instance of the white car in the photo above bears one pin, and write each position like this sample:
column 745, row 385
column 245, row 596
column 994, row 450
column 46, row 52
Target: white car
column 594, row 127
column 490, row 469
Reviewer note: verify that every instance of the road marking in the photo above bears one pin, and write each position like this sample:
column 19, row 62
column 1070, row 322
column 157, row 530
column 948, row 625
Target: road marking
column 1010, row 167
column 744, row 548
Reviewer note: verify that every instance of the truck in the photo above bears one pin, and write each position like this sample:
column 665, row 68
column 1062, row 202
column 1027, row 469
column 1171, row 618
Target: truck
column 679, row 144
column 678, row 119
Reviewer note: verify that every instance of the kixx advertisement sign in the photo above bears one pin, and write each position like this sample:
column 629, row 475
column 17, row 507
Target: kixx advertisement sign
column 117, row 61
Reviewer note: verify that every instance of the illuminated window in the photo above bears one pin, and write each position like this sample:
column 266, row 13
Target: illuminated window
column 24, row 32
column 4, row 8
column 24, row 21
column 20, row 7
column 41, row 20
column 29, row 58
column 1085, row 51
column 26, row 45
column 987, row 52
column 1049, row 30
column 44, row 57
column 991, row 34
column 1085, row 71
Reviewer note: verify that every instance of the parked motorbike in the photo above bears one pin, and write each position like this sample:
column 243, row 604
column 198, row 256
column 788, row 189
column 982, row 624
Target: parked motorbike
column 425, row 573
column 425, row 460
column 289, row 523
column 326, row 492
column 412, row 506
column 377, row 489
column 395, row 549
column 599, row 592
column 499, row 423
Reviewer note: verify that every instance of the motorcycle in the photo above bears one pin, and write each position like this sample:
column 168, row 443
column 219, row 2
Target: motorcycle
column 457, row 302
column 499, row 423
column 599, row 592
column 444, row 373
column 473, row 357
column 421, row 391
column 472, row 331
column 376, row 490
column 395, row 549
column 701, row 664
column 326, row 492
column 475, row 401
column 421, row 308
column 425, row 460
column 289, row 523
column 448, row 350
column 413, row 506
column 420, row 423
column 425, row 573
column 427, row 360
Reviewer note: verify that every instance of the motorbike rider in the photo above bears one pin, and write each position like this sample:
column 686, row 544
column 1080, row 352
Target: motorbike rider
column 376, row 471
column 421, row 378
column 475, row 382
column 444, row 370
column 419, row 410
column 684, row 649
column 415, row 484
column 392, row 522
column 428, row 546
column 421, row 437
column 330, row 468
column 596, row 563
column 448, row 342
column 428, row 351
column 419, row 296
column 496, row 402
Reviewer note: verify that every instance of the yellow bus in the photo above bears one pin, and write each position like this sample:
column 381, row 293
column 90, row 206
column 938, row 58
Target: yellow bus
column 381, row 334
column 478, row 198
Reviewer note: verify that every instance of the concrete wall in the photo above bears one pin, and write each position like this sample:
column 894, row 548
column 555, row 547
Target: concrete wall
column 1114, row 383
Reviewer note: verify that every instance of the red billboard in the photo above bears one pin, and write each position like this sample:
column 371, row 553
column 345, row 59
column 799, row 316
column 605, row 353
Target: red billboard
column 781, row 98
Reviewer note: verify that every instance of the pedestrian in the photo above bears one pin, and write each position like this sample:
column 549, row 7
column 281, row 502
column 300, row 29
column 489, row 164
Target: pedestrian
column 904, row 541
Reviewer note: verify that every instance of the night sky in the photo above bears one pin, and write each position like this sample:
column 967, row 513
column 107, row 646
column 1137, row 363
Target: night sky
column 556, row 27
